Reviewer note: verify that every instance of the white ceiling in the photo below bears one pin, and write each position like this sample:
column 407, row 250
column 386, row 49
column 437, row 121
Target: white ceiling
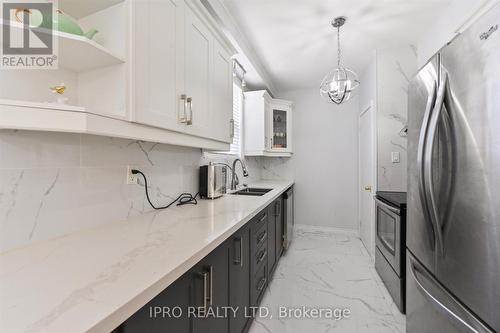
column 297, row 44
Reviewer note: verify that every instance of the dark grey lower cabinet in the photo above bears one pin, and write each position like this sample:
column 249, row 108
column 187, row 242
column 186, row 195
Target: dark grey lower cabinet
column 210, row 280
column 152, row 318
column 234, row 275
column 275, row 228
column 239, row 278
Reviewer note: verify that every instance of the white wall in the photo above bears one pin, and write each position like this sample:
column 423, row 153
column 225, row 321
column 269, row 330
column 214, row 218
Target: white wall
column 395, row 68
column 454, row 19
column 368, row 87
column 325, row 161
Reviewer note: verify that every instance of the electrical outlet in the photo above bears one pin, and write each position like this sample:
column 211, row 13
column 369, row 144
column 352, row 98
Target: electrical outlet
column 131, row 178
column 395, row 157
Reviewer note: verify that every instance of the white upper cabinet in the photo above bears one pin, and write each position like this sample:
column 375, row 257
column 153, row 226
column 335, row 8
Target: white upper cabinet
column 268, row 125
column 222, row 123
column 158, row 70
column 182, row 70
column 198, row 71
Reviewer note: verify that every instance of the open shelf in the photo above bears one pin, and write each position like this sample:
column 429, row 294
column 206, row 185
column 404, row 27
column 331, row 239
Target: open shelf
column 39, row 117
column 80, row 54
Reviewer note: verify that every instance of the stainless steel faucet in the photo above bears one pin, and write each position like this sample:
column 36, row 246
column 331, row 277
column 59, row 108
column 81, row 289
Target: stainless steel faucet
column 234, row 180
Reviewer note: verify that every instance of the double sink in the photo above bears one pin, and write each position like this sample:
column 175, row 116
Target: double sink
column 254, row 191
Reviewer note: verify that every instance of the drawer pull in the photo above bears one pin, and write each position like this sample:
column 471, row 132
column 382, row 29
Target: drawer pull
column 262, row 237
column 262, row 256
column 239, row 260
column 262, row 283
column 263, row 217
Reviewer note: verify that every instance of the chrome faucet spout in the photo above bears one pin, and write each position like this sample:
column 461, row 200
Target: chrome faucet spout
column 234, row 179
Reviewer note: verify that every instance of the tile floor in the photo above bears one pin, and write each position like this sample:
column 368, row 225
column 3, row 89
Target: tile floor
column 327, row 269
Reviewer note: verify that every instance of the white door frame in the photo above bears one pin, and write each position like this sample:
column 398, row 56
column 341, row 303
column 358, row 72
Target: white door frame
column 371, row 108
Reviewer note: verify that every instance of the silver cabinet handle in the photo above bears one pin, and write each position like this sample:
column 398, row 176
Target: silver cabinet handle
column 277, row 208
column 205, row 290
column 262, row 237
column 231, row 128
column 190, row 103
column 183, row 117
column 211, row 270
column 429, row 161
column 239, row 260
column 453, row 310
column 241, row 251
column 263, row 217
column 207, row 276
column 262, row 283
column 262, row 256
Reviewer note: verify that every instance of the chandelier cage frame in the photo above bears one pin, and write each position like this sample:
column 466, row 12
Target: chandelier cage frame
column 339, row 84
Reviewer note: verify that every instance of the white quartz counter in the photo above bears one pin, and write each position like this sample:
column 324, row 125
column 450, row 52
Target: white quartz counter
column 93, row 280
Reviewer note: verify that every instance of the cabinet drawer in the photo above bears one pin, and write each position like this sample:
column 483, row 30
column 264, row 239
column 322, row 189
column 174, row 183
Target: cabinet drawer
column 259, row 258
column 259, row 238
column 259, row 221
column 258, row 286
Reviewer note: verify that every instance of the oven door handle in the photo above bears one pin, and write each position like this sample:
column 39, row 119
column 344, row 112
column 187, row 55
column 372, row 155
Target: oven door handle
column 392, row 209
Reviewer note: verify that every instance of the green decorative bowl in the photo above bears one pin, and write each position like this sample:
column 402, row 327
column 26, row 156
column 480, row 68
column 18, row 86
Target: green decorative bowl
column 60, row 22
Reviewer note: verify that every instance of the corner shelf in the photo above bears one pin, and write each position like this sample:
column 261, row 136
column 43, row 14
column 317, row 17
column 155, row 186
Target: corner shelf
column 80, row 54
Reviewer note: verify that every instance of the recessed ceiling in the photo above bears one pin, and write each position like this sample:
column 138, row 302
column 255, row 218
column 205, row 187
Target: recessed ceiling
column 297, row 44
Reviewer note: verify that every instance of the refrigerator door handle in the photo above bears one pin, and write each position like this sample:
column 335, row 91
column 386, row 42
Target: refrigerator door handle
column 453, row 310
column 429, row 162
column 422, row 143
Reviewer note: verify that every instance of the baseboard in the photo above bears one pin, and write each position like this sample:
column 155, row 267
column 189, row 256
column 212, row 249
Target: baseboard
column 313, row 228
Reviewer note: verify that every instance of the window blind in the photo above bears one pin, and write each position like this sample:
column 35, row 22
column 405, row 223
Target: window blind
column 236, row 146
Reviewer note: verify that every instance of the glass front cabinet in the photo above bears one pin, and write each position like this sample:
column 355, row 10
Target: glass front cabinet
column 280, row 129
column 267, row 125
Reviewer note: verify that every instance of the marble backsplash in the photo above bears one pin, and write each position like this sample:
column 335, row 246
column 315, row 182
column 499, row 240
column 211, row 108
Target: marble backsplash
column 53, row 184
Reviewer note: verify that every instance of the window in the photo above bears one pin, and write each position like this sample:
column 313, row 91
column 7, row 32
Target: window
column 237, row 146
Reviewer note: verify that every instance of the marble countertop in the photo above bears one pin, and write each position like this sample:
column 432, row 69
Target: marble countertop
column 93, row 280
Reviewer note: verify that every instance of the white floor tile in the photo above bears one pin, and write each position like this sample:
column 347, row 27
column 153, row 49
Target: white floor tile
column 329, row 270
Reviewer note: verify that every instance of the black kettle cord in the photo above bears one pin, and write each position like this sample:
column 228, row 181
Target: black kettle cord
column 182, row 199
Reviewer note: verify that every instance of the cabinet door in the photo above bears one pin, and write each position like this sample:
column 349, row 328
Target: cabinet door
column 210, row 279
column 151, row 318
column 222, row 95
column 280, row 126
column 267, row 126
column 198, row 72
column 239, row 278
column 271, row 238
column 158, row 44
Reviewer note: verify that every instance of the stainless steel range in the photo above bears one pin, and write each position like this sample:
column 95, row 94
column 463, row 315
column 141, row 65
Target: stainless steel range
column 390, row 243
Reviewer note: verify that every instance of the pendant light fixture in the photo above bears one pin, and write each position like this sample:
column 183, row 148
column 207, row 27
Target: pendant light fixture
column 338, row 85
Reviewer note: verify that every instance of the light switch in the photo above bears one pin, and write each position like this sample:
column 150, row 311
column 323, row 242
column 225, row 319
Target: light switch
column 395, row 158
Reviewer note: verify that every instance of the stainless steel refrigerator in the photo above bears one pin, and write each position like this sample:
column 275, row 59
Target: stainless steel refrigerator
column 453, row 223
